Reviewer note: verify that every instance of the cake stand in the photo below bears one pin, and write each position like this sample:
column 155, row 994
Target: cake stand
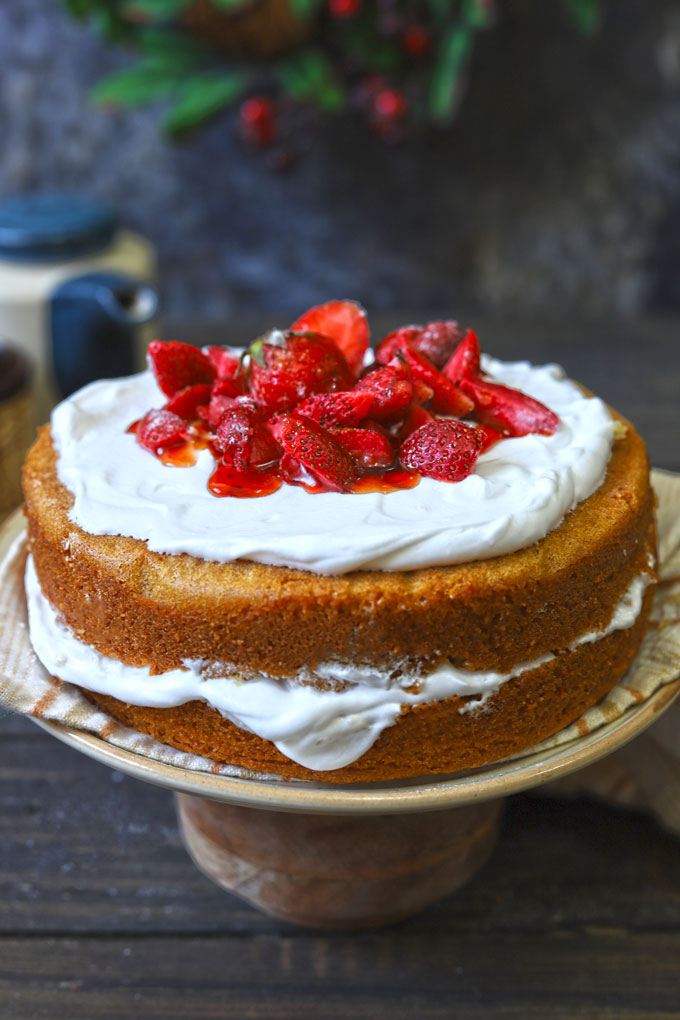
column 352, row 856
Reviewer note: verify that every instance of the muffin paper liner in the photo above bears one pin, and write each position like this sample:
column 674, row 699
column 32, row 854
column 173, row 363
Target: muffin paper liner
column 644, row 774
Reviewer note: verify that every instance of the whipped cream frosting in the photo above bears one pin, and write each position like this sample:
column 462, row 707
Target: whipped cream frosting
column 320, row 730
column 520, row 490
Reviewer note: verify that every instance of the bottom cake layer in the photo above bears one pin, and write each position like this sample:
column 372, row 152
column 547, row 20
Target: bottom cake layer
column 423, row 736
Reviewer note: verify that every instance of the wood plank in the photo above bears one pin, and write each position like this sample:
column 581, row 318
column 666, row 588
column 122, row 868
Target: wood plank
column 387, row 975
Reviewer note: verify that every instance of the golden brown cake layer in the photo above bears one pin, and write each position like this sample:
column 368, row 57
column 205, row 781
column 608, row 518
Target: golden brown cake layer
column 147, row 608
column 428, row 739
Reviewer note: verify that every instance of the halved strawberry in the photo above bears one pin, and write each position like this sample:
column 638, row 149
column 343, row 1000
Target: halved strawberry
column 447, row 398
column 185, row 403
column 244, row 439
column 345, row 323
column 225, row 362
column 391, row 388
column 438, row 341
column 490, row 436
column 416, row 417
column 227, row 387
column 396, row 342
column 160, row 430
column 465, row 359
column 509, row 410
column 345, row 408
column 316, row 450
column 369, row 446
column 446, row 450
column 177, row 365
column 286, row 368
column 219, row 404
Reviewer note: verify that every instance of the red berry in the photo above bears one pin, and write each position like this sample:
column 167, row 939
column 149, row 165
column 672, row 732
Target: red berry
column 343, row 322
column 244, row 439
column 395, row 343
column 258, row 123
column 416, row 417
column 490, row 436
column 161, row 430
column 177, row 365
column 369, row 446
column 415, row 40
column 316, row 450
column 509, row 410
column 286, row 368
column 392, row 390
column 465, row 359
column 448, row 399
column 226, row 364
column 185, row 403
column 343, row 8
column 438, row 341
column 446, row 450
column 389, row 104
column 337, row 408
column 219, row 403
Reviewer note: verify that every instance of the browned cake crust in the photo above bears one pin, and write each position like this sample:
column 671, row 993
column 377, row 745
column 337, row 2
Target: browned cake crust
column 147, row 608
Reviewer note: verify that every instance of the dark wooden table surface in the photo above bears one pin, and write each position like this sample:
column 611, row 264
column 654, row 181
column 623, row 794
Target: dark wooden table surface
column 102, row 914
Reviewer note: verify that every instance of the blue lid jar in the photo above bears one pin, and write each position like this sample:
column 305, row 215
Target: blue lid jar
column 53, row 227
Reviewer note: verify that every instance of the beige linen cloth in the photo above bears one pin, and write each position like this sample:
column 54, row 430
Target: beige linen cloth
column 643, row 774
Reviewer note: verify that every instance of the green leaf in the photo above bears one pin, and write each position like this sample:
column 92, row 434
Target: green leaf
column 477, row 14
column 156, row 10
column 201, row 97
column 80, row 8
column 586, row 14
column 305, row 9
column 135, row 86
column 453, row 55
column 310, row 75
column 167, row 45
column 230, row 5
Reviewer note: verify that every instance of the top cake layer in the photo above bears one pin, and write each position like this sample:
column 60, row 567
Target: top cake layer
column 521, row 489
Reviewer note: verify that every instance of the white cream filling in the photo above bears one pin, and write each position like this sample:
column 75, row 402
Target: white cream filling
column 320, row 730
column 520, row 490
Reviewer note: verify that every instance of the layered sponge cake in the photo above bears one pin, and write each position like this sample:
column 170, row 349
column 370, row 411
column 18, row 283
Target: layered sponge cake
column 338, row 570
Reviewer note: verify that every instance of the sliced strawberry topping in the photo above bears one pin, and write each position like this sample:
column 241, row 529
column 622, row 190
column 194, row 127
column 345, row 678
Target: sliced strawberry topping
column 286, row 368
column 244, row 439
column 177, row 365
column 395, row 343
column 226, row 364
column 438, row 341
column 316, row 450
column 345, row 323
column 416, row 417
column 227, row 387
column 447, row 399
column 369, row 446
column 391, row 388
column 447, row 450
column 509, row 410
column 185, row 403
column 347, row 408
column 161, row 430
column 465, row 359
column 490, row 436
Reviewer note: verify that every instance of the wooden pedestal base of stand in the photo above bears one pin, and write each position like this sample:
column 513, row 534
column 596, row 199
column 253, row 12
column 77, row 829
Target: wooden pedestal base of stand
column 338, row 871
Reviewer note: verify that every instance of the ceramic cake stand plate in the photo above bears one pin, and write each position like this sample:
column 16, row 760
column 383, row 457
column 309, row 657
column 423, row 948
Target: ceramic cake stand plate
column 353, row 856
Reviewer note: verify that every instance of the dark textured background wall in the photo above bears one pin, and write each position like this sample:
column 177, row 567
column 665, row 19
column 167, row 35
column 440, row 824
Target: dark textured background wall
column 556, row 193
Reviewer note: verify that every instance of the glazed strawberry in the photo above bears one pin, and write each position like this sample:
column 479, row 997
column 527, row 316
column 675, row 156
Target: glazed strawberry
column 391, row 388
column 509, row 410
column 395, row 343
column 447, row 398
column 219, row 404
column 490, row 436
column 345, row 408
column 438, row 341
column 465, row 359
column 416, row 417
column 226, row 364
column 370, row 446
column 161, row 430
column 316, row 450
column 345, row 323
column 177, row 366
column 446, row 450
column 185, row 403
column 244, row 439
column 286, row 368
